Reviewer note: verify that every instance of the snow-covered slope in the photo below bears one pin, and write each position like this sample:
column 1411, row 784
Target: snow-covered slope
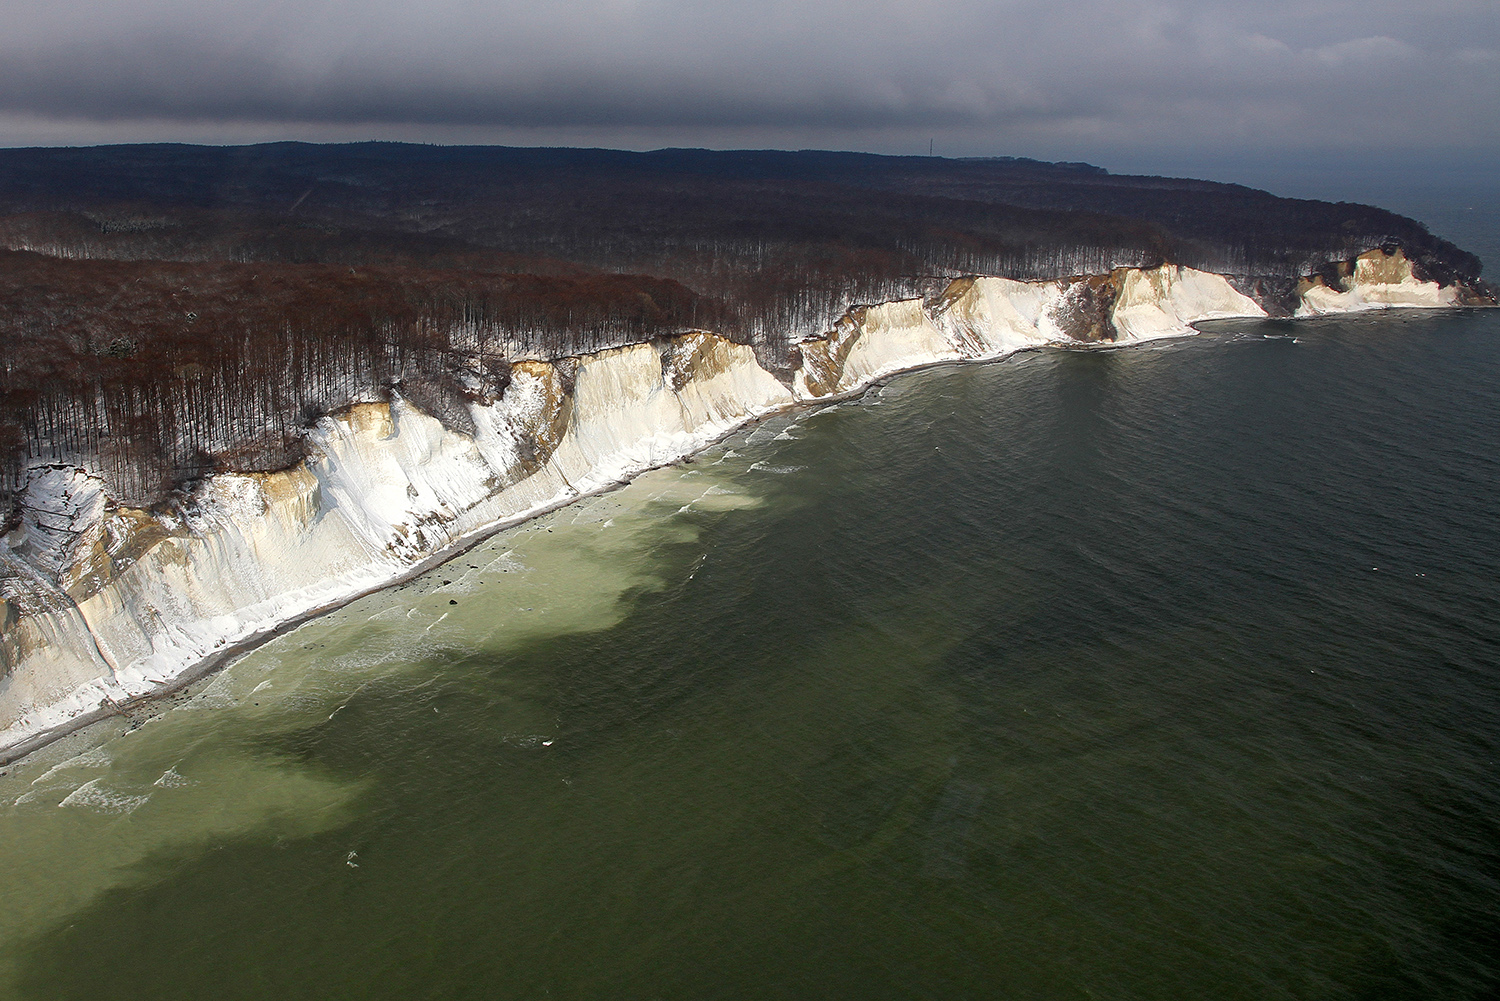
column 101, row 604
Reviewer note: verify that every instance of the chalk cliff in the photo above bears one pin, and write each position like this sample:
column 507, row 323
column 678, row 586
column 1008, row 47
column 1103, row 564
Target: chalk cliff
column 101, row 603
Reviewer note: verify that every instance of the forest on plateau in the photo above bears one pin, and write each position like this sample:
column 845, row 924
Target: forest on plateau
column 168, row 311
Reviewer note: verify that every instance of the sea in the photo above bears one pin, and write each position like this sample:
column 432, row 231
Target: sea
column 1153, row 673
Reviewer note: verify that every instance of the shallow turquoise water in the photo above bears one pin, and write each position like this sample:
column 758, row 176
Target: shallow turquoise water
column 1170, row 672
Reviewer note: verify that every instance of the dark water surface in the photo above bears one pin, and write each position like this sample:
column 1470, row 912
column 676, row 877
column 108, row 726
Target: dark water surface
column 1169, row 672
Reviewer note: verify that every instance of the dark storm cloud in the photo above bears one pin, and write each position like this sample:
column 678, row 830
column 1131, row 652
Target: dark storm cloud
column 1306, row 73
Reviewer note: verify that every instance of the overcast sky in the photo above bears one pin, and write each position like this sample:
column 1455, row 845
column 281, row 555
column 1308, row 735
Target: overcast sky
column 1089, row 79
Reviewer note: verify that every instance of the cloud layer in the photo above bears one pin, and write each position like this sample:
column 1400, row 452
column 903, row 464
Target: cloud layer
column 986, row 75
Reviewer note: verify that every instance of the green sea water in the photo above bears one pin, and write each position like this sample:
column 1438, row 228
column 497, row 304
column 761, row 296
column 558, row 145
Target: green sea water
column 1168, row 672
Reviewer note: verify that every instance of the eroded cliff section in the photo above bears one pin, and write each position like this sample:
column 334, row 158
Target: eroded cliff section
column 102, row 604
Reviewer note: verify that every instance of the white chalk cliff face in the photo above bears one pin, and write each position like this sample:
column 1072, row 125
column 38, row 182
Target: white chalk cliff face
column 101, row 604
column 1377, row 281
